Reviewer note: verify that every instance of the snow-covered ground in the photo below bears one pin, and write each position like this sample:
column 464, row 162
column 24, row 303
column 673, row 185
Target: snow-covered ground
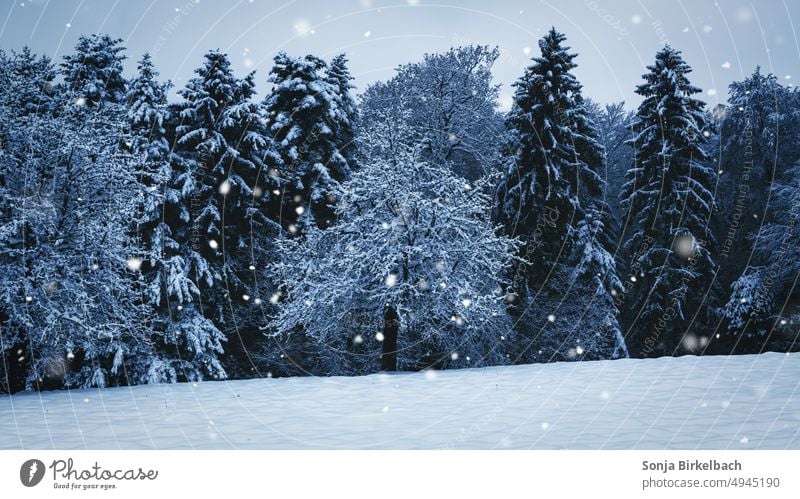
column 686, row 403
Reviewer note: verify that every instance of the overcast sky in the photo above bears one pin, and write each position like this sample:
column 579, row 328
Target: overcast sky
column 723, row 40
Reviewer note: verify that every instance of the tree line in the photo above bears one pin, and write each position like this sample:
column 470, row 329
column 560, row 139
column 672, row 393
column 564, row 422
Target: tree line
column 414, row 227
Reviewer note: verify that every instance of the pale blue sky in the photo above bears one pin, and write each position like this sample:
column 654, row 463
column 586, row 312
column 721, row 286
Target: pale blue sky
column 723, row 40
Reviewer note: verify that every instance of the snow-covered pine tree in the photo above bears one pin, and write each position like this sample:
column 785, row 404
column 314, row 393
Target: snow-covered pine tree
column 346, row 110
column 411, row 274
column 303, row 108
column 186, row 343
column 67, row 296
column 763, row 309
column 778, row 247
column 552, row 196
column 228, row 175
column 613, row 124
column 93, row 74
column 537, row 198
column 758, row 142
column 597, row 334
column 671, row 269
column 248, row 176
column 147, row 116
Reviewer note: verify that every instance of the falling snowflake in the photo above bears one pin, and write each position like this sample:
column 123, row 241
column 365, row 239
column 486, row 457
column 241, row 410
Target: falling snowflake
column 302, row 27
column 685, row 245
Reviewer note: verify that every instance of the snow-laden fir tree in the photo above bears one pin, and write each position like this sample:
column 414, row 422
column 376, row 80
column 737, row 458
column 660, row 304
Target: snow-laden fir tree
column 69, row 307
column 537, row 198
column 346, row 110
column 669, row 193
column 613, row 123
column 758, row 143
column 763, row 306
column 551, row 195
column 410, row 277
column 147, row 116
column 186, row 343
column 227, row 173
column 304, row 112
column 250, row 187
column 93, row 74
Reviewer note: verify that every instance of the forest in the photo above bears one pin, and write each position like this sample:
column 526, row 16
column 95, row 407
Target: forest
column 410, row 225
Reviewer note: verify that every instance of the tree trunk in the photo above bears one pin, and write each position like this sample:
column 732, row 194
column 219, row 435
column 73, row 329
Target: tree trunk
column 391, row 322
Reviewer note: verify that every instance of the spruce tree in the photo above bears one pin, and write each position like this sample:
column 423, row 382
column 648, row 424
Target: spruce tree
column 537, row 198
column 93, row 74
column 760, row 312
column 346, row 111
column 302, row 109
column 757, row 143
column 228, row 173
column 669, row 193
column 179, row 336
column 147, row 116
column 552, row 197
